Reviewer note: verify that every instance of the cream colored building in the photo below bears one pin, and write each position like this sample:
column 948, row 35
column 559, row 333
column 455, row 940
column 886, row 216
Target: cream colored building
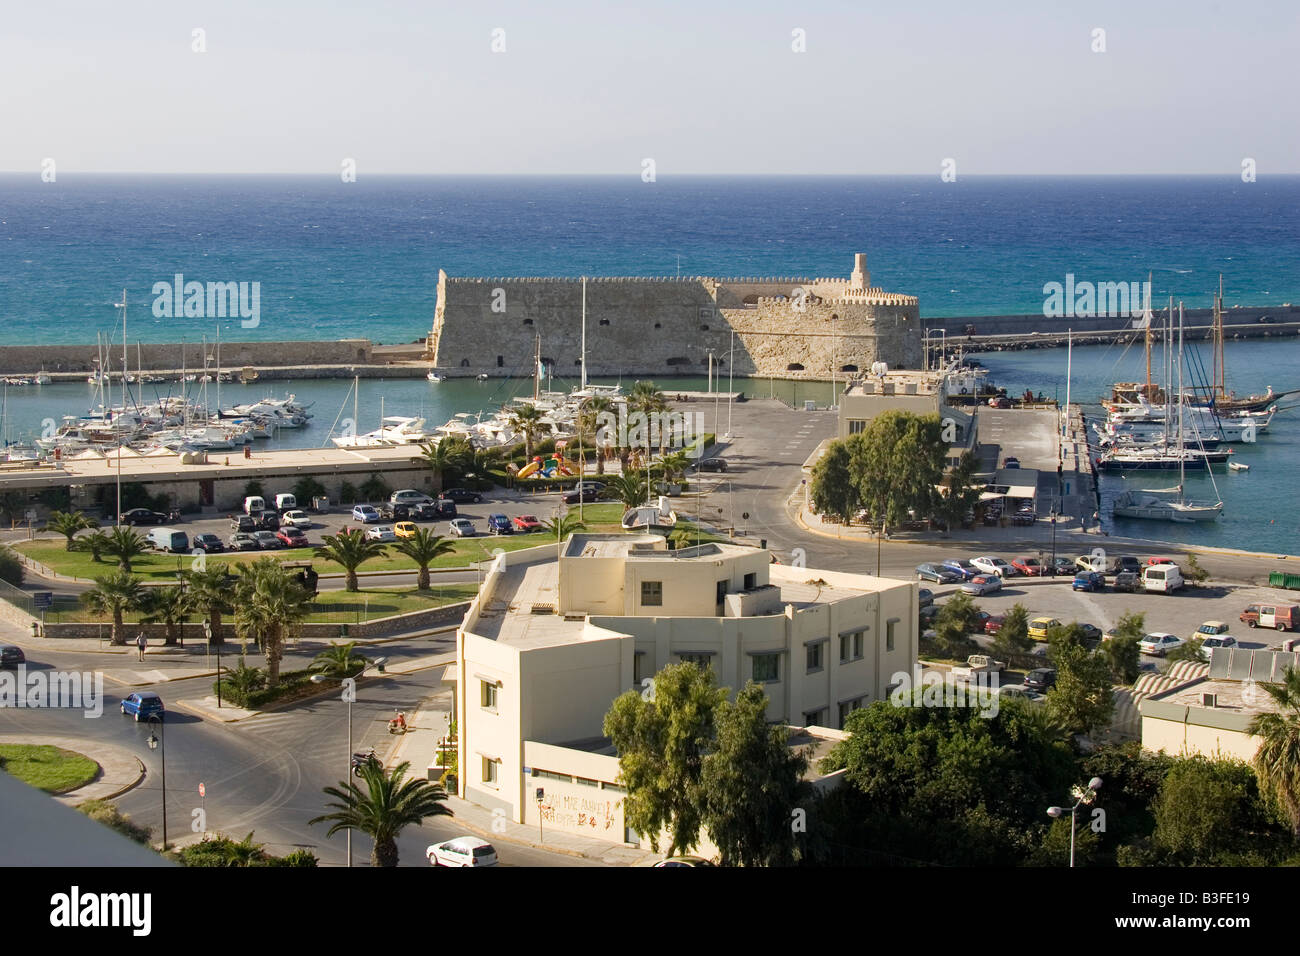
column 907, row 390
column 559, row 631
column 1211, row 715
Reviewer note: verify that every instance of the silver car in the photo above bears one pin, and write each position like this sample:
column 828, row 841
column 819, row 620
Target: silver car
column 463, row 528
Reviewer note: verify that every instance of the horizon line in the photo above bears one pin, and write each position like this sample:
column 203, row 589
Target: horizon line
column 36, row 173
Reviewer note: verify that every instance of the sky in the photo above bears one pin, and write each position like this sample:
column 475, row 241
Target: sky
column 415, row 87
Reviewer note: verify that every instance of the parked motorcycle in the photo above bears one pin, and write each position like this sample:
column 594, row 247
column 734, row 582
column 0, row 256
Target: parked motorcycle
column 359, row 760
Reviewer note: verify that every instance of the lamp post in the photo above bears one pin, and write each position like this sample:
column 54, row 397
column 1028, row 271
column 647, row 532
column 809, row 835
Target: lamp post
column 158, row 742
column 1082, row 796
column 207, row 633
column 350, row 695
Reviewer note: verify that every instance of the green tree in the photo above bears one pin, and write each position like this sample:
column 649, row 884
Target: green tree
column 961, row 490
column 253, row 489
column 898, row 465
column 126, row 545
column 750, row 783
column 210, row 590
column 349, row 550
column 11, row 566
column 1124, row 657
column 115, row 594
column 348, row 494
column 388, row 805
column 1082, row 699
column 627, row 488
column 564, row 525
column 305, row 489
column 1277, row 762
column 957, row 618
column 1193, row 572
column 1012, row 641
column 833, row 489
column 338, row 660
column 1209, row 813
column 269, row 607
column 375, row 488
column 661, row 736
column 424, row 547
column 68, row 524
column 96, row 543
column 526, row 420
column 1132, row 624
column 1189, row 650
column 170, row 606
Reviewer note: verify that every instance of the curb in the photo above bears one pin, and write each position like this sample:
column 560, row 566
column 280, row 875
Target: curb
column 549, row 848
column 130, row 786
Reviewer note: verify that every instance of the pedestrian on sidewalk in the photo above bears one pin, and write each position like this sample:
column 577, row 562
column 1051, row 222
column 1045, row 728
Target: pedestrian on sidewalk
column 141, row 642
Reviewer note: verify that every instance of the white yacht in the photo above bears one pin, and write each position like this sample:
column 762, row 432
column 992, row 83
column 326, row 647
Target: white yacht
column 393, row 430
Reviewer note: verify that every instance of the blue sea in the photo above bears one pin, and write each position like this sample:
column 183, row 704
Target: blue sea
column 339, row 260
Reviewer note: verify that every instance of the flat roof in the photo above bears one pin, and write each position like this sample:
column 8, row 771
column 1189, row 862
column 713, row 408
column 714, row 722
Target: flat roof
column 522, row 610
column 1233, row 696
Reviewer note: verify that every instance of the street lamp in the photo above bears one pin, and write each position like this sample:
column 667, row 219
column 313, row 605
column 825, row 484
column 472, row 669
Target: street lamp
column 158, row 742
column 207, row 633
column 1082, row 796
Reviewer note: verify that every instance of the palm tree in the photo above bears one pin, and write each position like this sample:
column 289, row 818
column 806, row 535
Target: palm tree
column 115, row 594
column 350, row 550
column 338, row 659
column 125, row 545
column 388, row 805
column 563, row 526
column 1277, row 762
column 445, row 457
column 210, row 591
column 68, row 523
column 527, row 420
column 96, row 543
column 424, row 547
column 589, row 418
column 674, row 466
column 269, row 607
column 627, row 488
column 170, row 606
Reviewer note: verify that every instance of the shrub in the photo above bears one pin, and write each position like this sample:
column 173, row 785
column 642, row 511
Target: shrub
column 11, row 567
column 253, row 490
column 375, row 488
column 348, row 493
column 102, row 811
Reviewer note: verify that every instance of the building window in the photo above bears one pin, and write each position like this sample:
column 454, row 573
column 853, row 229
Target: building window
column 488, row 695
column 751, row 581
column 652, row 593
column 551, row 775
column 702, row 661
column 857, row 426
column 847, row 707
column 604, row 321
column 489, row 770
column 850, row 647
column 767, row 668
column 814, row 654
column 722, row 591
column 638, row 667
column 815, row 718
column 586, row 781
column 889, row 634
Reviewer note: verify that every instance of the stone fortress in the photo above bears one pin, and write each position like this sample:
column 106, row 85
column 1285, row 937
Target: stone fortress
column 784, row 327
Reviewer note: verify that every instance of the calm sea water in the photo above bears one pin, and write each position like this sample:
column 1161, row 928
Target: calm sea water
column 361, row 259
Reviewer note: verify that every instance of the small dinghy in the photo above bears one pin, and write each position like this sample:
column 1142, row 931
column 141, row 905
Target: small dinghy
column 1238, row 466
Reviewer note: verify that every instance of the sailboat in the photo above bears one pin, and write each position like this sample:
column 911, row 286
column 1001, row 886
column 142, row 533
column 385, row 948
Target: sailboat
column 1169, row 504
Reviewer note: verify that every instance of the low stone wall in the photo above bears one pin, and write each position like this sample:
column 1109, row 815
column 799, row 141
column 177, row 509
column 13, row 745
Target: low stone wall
column 445, row 616
column 155, row 356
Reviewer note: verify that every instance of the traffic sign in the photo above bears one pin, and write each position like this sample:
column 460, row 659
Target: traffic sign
column 42, row 600
column 203, row 791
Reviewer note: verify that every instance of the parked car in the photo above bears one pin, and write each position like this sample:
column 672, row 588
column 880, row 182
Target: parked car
column 1282, row 617
column 976, row 665
column 1091, row 634
column 1060, row 566
column 142, row 516
column 500, row 524
column 11, row 655
column 366, row 514
column 433, row 510
column 143, row 705
column 462, row 496
column 295, row 519
column 397, row 512
column 1159, row 643
column 1041, row 679
column 462, row 851
column 267, row 540
column 1129, row 581
column 243, row 523
column 1039, row 627
column 209, row 543
column 683, row 861
column 292, row 537
column 590, row 491
column 711, row 464
column 527, row 523
column 983, row 584
column 1011, row 461
column 994, row 623
column 1225, row 642
column 243, row 541
column 408, row 496
column 937, row 573
column 926, row 615
column 964, row 568
column 404, row 529
column 1158, row 560
column 1089, row 581
column 1125, row 562
column 991, row 565
column 1162, row 578
column 462, row 528
column 268, row 520
column 381, row 532
column 1029, row 567
column 1091, row 562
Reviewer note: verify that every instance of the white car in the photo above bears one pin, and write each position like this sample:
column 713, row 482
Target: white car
column 991, row 565
column 1159, row 643
column 462, row 528
column 462, row 851
column 295, row 519
column 408, row 496
column 381, row 532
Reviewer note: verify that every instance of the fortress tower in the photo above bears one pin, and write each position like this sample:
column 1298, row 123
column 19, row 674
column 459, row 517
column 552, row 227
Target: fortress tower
column 807, row 328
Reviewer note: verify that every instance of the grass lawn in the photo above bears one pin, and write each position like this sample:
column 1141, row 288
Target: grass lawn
column 347, row 607
column 51, row 769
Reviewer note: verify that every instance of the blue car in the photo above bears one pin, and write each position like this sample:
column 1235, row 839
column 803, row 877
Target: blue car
column 143, row 705
column 1089, row 581
column 963, row 568
column 500, row 524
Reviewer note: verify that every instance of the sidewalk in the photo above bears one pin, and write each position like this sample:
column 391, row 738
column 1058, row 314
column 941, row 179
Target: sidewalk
column 420, row 745
column 119, row 769
column 93, row 645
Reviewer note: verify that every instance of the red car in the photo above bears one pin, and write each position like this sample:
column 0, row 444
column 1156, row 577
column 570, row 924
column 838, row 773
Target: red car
column 1160, row 560
column 292, row 537
column 527, row 523
column 993, row 624
column 1028, row 567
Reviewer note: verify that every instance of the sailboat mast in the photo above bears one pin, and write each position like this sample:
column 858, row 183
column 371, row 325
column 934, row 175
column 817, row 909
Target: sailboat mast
column 1182, row 447
column 537, row 366
column 584, row 332
column 1146, row 314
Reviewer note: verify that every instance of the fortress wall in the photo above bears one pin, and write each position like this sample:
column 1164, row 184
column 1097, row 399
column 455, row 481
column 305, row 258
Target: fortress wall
column 825, row 336
column 27, row 359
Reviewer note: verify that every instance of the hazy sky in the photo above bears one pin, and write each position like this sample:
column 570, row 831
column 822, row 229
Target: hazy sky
column 412, row 86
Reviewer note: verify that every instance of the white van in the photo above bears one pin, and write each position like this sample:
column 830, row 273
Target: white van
column 1162, row 578
column 169, row 539
column 254, row 505
column 285, row 502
